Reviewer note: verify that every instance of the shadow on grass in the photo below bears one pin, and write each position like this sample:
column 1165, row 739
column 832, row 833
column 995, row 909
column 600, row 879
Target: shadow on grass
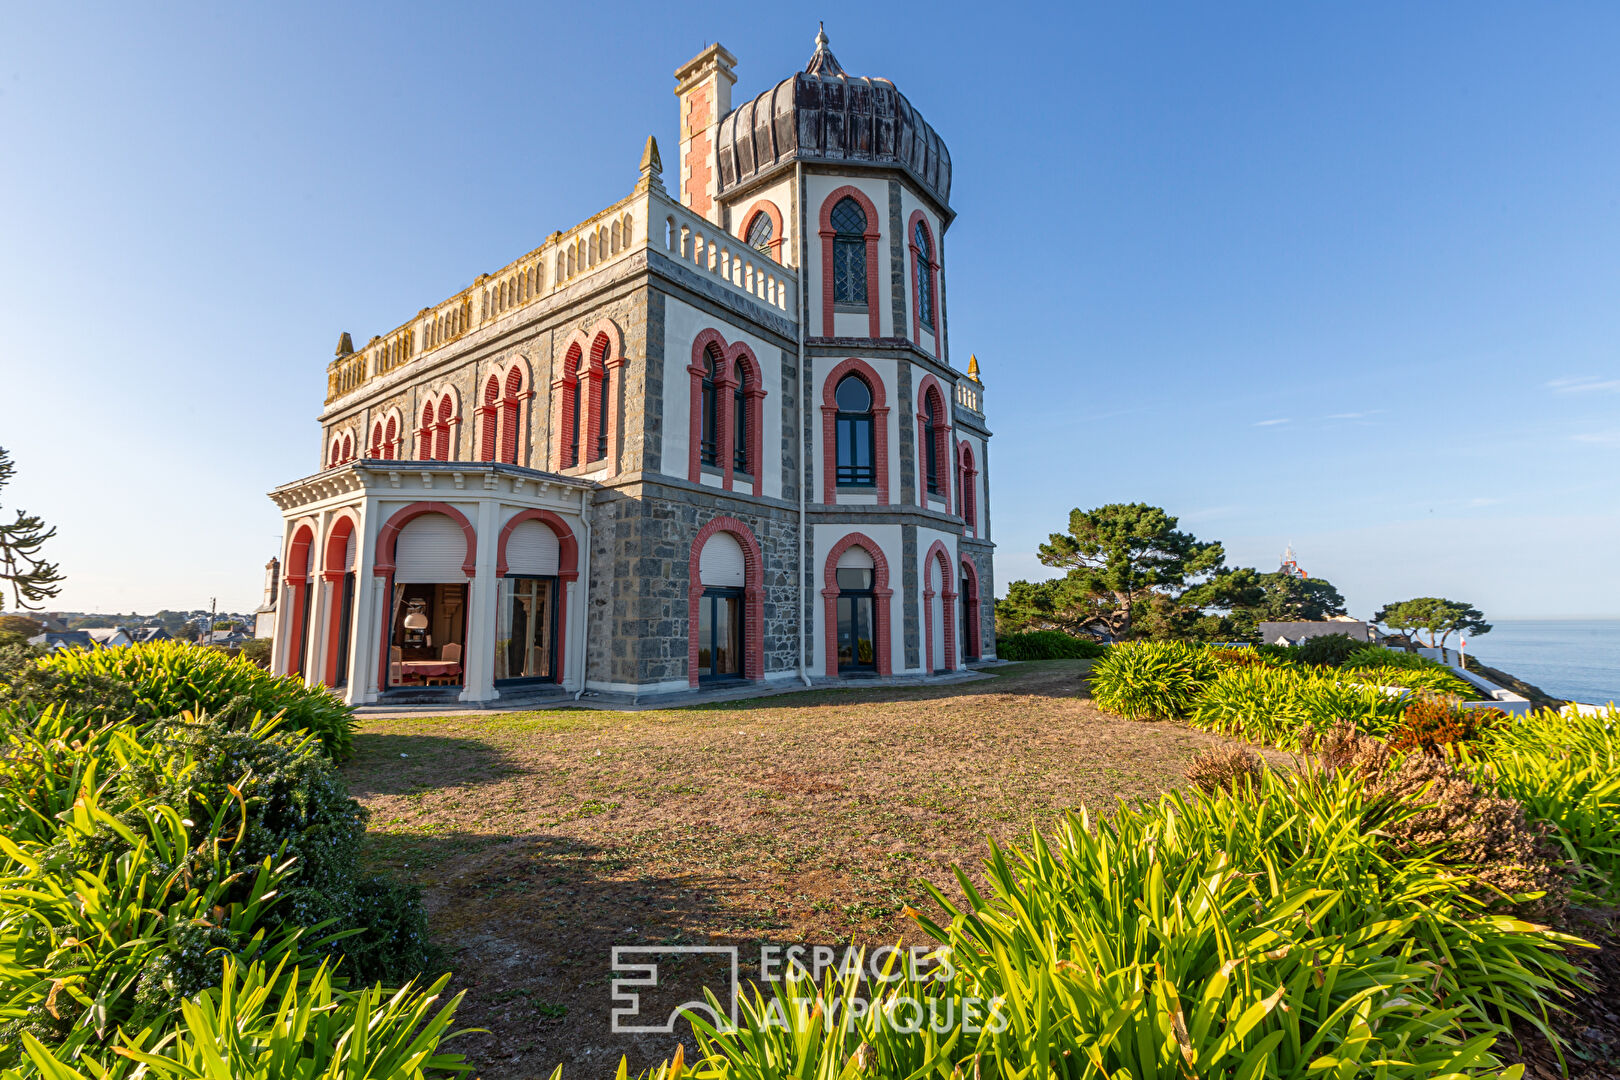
column 1036, row 678
column 528, row 924
column 389, row 764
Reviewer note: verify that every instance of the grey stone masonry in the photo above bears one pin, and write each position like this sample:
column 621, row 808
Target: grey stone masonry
column 912, row 619
column 981, row 554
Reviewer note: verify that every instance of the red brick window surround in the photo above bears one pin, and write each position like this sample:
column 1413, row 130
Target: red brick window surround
column 514, row 395
column 933, row 433
column 565, row 391
column 967, row 492
column 753, row 598
column 829, row 234
column 489, row 419
column 587, row 396
column 881, row 594
column 335, row 568
column 390, row 441
column 727, row 385
column 444, row 427
column 939, row 560
column 829, row 429
column 383, row 565
column 753, row 228
column 924, row 279
column 972, row 646
column 298, row 570
column 567, row 569
column 424, row 434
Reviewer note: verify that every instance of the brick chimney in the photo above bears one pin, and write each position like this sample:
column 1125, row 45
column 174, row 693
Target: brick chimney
column 703, row 85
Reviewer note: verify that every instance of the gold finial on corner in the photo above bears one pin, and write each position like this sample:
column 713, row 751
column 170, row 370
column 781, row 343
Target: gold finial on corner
column 973, row 367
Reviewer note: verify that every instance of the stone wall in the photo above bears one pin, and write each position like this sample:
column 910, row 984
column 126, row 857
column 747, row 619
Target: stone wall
column 641, row 549
column 983, row 562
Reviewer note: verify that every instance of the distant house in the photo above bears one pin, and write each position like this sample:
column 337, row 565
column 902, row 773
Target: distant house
column 1292, row 633
column 151, row 633
column 111, row 637
column 57, row 640
column 228, row 639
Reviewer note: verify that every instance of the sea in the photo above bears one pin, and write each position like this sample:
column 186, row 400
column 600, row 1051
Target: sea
column 1575, row 659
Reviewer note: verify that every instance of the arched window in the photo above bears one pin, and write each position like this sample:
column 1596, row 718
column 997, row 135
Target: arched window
column 390, row 438
column 600, row 376
column 849, row 253
column 710, row 453
column 924, row 264
column 490, row 417
column 512, row 415
column 424, row 434
column 376, row 440
column 761, row 232
column 441, row 430
column 739, row 416
column 855, row 433
column 332, row 456
column 966, row 487
column 931, row 431
column 571, row 402
column 348, row 448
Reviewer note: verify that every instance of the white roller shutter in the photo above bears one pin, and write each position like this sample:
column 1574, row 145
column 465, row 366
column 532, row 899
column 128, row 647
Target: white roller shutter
column 352, row 550
column 431, row 548
column 721, row 562
column 531, row 549
column 855, row 558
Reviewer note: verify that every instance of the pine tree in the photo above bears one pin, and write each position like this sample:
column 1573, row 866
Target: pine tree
column 29, row 576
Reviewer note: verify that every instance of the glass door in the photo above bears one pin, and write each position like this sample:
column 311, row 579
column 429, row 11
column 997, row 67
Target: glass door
column 857, row 649
column 526, row 634
column 345, row 627
column 719, row 634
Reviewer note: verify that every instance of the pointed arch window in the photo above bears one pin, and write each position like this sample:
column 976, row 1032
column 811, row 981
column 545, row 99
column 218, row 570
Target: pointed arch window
column 931, row 430
column 709, row 453
column 857, row 450
column 849, row 253
column 924, row 268
column 744, row 378
column 761, row 232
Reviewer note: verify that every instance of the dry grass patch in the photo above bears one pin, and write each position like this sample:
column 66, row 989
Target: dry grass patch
column 544, row 839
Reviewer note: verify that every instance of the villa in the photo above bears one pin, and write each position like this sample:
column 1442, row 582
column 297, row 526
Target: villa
column 704, row 439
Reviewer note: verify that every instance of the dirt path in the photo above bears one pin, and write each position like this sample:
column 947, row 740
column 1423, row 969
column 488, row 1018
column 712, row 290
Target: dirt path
column 542, row 840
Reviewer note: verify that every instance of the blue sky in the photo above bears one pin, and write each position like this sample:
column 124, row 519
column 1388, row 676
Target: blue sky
column 1346, row 278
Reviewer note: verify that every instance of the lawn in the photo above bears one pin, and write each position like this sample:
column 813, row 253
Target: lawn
column 542, row 840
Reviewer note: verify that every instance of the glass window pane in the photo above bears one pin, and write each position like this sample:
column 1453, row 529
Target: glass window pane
column 848, row 217
column 853, row 395
column 705, row 632
column 846, row 631
column 854, row 578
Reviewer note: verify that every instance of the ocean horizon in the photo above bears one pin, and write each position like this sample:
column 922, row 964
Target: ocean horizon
column 1577, row 659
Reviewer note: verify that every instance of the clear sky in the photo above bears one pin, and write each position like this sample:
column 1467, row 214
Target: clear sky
column 1343, row 276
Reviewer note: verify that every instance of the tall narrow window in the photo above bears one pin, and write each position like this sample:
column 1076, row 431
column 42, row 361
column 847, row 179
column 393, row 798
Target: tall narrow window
column 739, row 419
column 857, row 641
column 424, row 435
column 761, row 233
column 925, row 275
column 931, row 438
column 512, row 416
column 855, row 433
column 710, row 447
column 490, row 418
column 348, row 447
column 602, row 399
column 849, row 253
column 390, row 439
column 441, row 430
column 376, row 440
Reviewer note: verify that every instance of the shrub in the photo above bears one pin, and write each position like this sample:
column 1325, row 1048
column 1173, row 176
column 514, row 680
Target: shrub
column 1047, row 645
column 1565, row 770
column 1225, row 768
column 1268, row 935
column 1329, row 650
column 1427, row 724
column 167, row 678
column 269, row 1023
column 257, row 651
column 1387, row 667
column 1152, row 679
column 1282, row 706
column 1239, row 657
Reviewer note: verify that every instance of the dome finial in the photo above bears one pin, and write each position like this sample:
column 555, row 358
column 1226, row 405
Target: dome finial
column 822, row 61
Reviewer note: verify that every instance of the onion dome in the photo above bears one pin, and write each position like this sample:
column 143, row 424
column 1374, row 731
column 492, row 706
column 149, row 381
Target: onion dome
column 824, row 114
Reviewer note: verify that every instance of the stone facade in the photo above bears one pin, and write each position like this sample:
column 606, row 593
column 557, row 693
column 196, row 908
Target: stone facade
column 701, row 365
